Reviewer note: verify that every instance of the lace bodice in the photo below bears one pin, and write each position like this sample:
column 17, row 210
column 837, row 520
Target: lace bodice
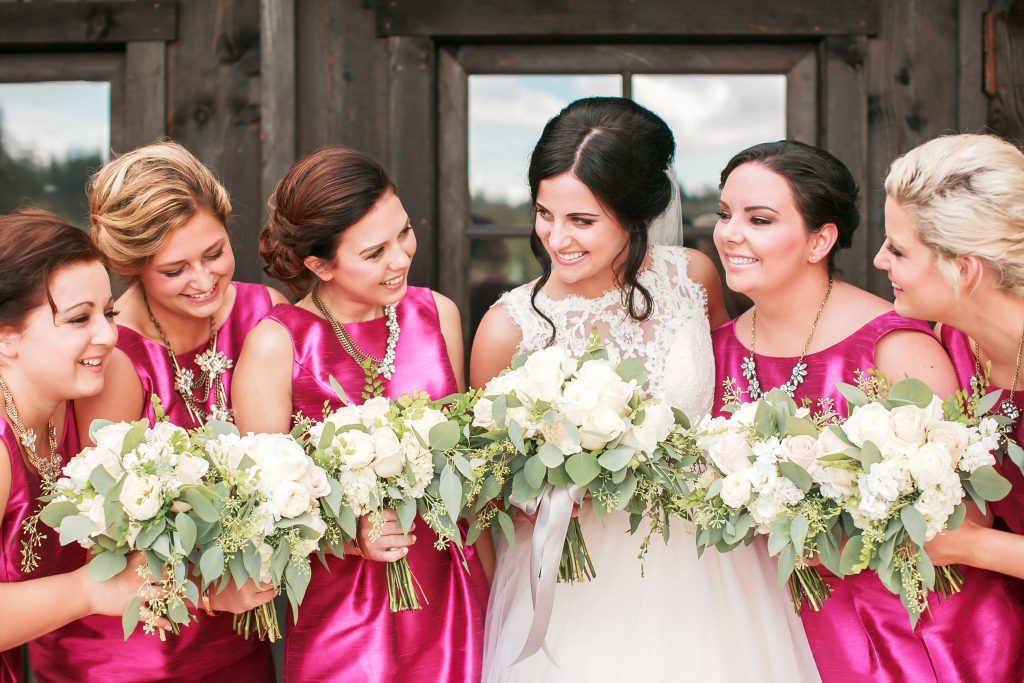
column 674, row 342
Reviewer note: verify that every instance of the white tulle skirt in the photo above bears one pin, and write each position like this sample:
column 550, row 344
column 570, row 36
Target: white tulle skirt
column 718, row 618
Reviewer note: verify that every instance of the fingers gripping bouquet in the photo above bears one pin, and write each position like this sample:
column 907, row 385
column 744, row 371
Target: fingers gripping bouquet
column 379, row 455
column 766, row 470
column 916, row 461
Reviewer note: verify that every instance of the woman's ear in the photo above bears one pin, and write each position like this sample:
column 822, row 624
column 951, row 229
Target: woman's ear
column 9, row 342
column 318, row 267
column 822, row 242
column 971, row 269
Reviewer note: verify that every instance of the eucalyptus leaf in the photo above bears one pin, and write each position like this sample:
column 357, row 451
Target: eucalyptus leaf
column 55, row 512
column 557, row 476
column 1016, row 453
column 632, row 369
column 681, row 419
column 853, row 395
column 927, row 569
column 339, row 391
column 297, row 575
column 236, row 565
column 582, row 468
column 202, row 506
column 989, row 484
column 913, row 391
column 178, row 613
column 211, row 564
column 107, row 565
column 515, row 435
column 507, row 528
column 97, row 425
column 451, row 492
column 488, row 490
column 334, row 499
column 101, row 480
column 796, row 474
column 444, row 435
column 134, row 437
column 764, row 419
column 463, row 466
column 473, row 533
column 326, row 436
column 915, row 524
column 550, row 455
column 800, row 426
column 74, row 528
column 869, row 455
column 187, row 532
column 251, row 561
column 787, row 561
column 798, row 532
column 957, row 518
column 499, row 409
column 406, row 512
column 522, row 492
column 614, row 459
column 625, row 490
column 535, row 471
column 988, row 402
column 849, row 558
column 347, row 522
column 779, row 535
column 828, row 552
column 131, row 615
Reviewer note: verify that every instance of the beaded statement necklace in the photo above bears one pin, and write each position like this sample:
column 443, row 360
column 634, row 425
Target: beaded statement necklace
column 796, row 377
column 979, row 381
column 372, row 367
column 212, row 364
column 48, row 469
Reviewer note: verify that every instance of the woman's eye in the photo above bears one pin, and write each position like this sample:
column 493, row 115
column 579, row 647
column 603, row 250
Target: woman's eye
column 111, row 314
column 893, row 250
column 376, row 254
column 722, row 215
column 215, row 256
column 583, row 222
column 174, row 273
column 407, row 230
column 757, row 220
column 79, row 320
column 544, row 213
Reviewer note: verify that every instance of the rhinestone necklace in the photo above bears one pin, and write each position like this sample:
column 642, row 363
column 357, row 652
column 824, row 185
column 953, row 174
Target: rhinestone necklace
column 1007, row 407
column 796, row 377
column 212, row 363
column 372, row 366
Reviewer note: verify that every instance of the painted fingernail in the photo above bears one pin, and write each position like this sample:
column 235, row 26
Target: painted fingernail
column 405, row 551
column 414, row 538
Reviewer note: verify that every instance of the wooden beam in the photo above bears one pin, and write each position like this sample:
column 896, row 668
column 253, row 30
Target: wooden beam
column 87, row 22
column 972, row 105
column 145, row 118
column 453, row 171
column 610, row 18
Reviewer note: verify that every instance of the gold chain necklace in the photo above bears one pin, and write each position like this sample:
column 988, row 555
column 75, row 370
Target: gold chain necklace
column 749, row 366
column 979, row 381
column 211, row 362
column 372, row 366
column 48, row 468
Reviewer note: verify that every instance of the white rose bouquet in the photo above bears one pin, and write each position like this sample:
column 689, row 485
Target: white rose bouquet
column 270, row 521
column 139, row 488
column 559, row 429
column 765, row 470
column 915, row 461
column 381, row 454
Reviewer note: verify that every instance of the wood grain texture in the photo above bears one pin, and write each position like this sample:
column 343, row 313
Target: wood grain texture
column 1006, row 112
column 453, row 166
column 87, row 22
column 145, row 118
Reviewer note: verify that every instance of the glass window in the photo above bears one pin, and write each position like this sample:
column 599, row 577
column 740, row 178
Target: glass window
column 52, row 136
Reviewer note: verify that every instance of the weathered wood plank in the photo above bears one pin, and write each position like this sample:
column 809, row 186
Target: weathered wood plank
column 145, row 118
column 1006, row 112
column 453, row 192
column 412, row 163
column 595, row 18
column 973, row 105
column 802, row 99
column 87, row 22
column 214, row 86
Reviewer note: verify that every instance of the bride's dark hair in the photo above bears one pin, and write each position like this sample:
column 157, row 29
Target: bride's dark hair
column 620, row 151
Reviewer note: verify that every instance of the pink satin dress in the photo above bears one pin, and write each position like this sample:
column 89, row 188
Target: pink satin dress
column 1010, row 510
column 863, row 633
column 23, row 501
column 345, row 631
column 93, row 649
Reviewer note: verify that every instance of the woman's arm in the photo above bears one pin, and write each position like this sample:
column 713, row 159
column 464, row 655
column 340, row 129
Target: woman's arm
column 702, row 271
column 451, row 330
column 494, row 346
column 261, row 386
column 121, row 399
column 905, row 353
column 978, row 546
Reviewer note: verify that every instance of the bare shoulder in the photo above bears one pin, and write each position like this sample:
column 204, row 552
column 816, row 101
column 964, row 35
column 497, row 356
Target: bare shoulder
column 5, row 476
column 268, row 339
column 859, row 306
column 276, row 297
column 910, row 353
column 494, row 345
column 446, row 308
column 700, row 267
column 701, row 270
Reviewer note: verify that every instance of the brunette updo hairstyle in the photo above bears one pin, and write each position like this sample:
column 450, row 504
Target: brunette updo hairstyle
column 823, row 187
column 320, row 196
column 621, row 152
column 34, row 245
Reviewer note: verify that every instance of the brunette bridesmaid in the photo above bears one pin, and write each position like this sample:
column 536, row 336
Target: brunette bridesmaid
column 340, row 238
column 158, row 216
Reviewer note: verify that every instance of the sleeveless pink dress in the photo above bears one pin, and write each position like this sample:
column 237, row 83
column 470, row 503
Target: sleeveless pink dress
column 863, row 633
column 1010, row 510
column 93, row 648
column 23, row 502
column 345, row 631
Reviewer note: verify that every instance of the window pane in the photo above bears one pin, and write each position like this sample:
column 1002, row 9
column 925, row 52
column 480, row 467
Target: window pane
column 52, row 135
column 497, row 265
column 712, row 118
column 506, row 117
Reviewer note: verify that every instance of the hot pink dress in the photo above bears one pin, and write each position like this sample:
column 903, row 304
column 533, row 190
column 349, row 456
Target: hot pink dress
column 863, row 633
column 93, row 648
column 23, row 502
column 1010, row 510
column 345, row 630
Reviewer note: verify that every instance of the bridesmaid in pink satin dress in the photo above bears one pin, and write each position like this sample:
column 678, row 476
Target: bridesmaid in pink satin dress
column 158, row 215
column 50, row 353
column 954, row 252
column 785, row 207
column 337, row 224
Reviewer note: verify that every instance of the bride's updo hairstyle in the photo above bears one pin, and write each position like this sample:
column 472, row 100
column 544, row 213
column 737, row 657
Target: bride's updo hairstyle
column 823, row 188
column 621, row 152
column 320, row 197
column 966, row 195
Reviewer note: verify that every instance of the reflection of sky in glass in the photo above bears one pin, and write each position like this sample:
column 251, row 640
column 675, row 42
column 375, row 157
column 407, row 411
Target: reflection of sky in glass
column 712, row 117
column 50, row 121
column 506, row 117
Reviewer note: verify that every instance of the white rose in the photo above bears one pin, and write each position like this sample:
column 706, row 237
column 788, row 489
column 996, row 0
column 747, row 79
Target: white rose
column 735, row 490
column 141, row 496
column 658, row 421
column 79, row 468
column 929, row 464
column 599, row 379
column 577, row 401
column 265, row 552
column 355, row 448
column 280, row 458
column 315, row 481
column 953, row 435
column 801, row 449
column 422, row 425
column 163, row 432
column 346, row 415
column 556, row 435
column 112, row 436
column 829, row 443
column 387, row 453
column 542, row 375
column 869, row 423
column 730, row 453
column 93, row 509
column 290, row 499
column 601, row 426
column 765, row 509
column 483, row 414
column 908, row 423
column 745, row 414
column 191, row 469
column 374, row 411
column 837, row 482
column 934, row 413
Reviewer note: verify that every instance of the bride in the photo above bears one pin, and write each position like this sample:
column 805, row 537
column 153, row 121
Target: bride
column 599, row 182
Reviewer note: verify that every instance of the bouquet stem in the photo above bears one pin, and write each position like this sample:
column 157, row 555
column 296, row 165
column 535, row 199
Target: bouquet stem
column 575, row 566
column 948, row 580
column 806, row 585
column 261, row 621
column 403, row 587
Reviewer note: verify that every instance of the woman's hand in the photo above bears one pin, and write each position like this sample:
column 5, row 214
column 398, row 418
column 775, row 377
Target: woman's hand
column 111, row 597
column 953, row 547
column 237, row 600
column 391, row 545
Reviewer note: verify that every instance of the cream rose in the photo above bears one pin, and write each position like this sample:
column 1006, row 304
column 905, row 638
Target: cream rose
column 422, row 425
column 744, row 415
column 315, row 481
column 93, row 509
column 908, row 423
column 355, row 448
column 290, row 499
column 658, row 421
column 556, row 435
column 280, row 458
column 601, row 426
column 731, row 453
column 483, row 414
column 929, row 464
column 141, row 496
column 736, row 490
column 374, row 411
column 869, row 423
column 387, row 453
column 801, row 449
column 953, row 435
column 191, row 469
column 830, row 443
column 543, row 375
column 112, row 436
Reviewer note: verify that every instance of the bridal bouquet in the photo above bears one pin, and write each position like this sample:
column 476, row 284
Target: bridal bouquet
column 269, row 520
column 381, row 454
column 562, row 429
column 140, row 488
column 767, row 470
column 914, row 459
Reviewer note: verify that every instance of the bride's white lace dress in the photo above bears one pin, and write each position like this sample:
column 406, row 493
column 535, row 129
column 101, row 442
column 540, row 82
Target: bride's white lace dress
column 719, row 618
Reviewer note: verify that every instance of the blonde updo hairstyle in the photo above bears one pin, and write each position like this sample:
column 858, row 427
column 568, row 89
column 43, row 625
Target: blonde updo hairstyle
column 138, row 199
column 966, row 193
